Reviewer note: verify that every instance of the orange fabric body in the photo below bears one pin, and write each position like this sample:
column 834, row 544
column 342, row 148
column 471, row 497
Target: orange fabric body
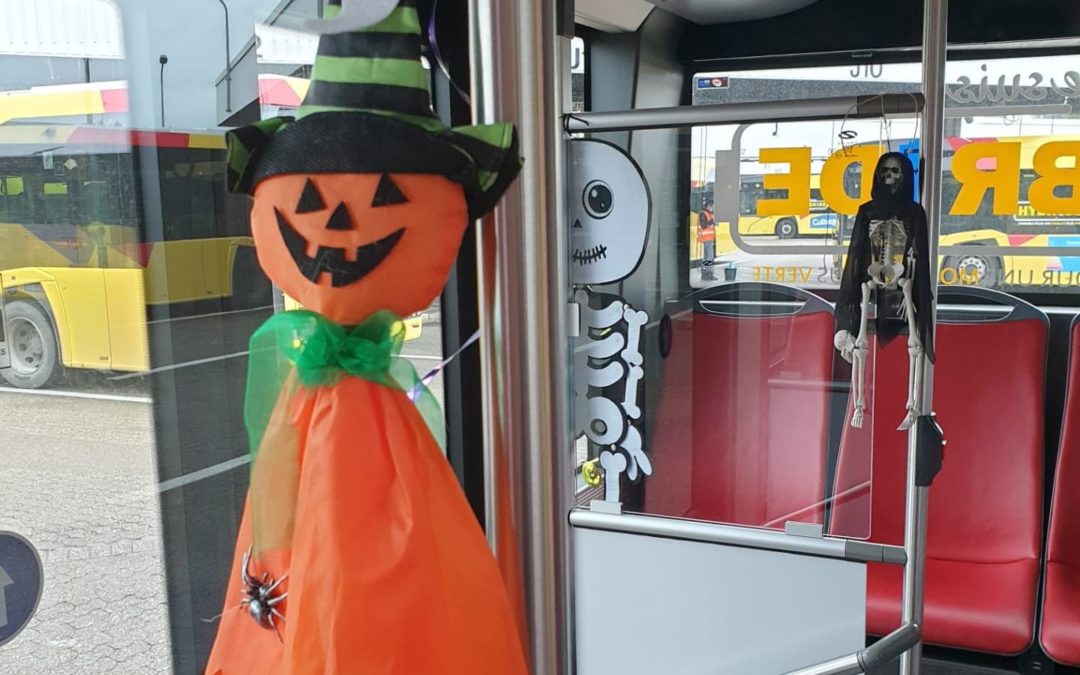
column 389, row 571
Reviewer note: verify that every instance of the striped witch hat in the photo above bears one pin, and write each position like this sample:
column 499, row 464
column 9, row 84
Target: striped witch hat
column 368, row 110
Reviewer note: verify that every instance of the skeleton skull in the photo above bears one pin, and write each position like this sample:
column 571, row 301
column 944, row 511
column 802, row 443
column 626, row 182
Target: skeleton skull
column 609, row 213
column 890, row 174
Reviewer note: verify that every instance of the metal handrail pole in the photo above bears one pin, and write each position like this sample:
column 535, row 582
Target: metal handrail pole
column 518, row 75
column 935, row 29
column 482, row 78
column 852, row 107
column 900, row 641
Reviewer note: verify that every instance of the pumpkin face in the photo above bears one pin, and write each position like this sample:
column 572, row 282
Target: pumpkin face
column 347, row 245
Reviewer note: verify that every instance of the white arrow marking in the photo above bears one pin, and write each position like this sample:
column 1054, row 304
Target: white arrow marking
column 5, row 581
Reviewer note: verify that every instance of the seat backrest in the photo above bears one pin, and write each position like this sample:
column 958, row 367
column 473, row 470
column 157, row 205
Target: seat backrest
column 1063, row 545
column 761, row 380
column 986, row 504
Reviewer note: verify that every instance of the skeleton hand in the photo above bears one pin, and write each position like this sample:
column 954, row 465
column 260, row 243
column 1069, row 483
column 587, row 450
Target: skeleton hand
column 844, row 342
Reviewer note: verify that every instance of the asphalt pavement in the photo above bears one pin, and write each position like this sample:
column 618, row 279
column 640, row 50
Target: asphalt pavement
column 132, row 487
column 79, row 482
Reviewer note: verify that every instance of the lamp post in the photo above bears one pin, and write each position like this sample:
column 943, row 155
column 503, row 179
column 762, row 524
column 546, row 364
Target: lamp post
column 163, row 59
column 228, row 60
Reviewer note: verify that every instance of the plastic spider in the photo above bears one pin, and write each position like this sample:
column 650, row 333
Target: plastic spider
column 261, row 599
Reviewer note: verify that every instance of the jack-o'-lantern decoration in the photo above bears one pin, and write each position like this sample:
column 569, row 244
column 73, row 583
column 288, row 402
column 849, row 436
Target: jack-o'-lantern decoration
column 357, row 552
column 336, row 242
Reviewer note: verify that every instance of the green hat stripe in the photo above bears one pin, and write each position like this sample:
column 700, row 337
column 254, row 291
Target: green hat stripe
column 486, row 178
column 243, row 143
column 404, row 19
column 375, row 69
column 353, row 70
column 486, row 144
column 498, row 135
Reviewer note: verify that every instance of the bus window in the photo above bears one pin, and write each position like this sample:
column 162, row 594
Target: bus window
column 14, row 200
column 1014, row 247
column 193, row 195
column 748, row 197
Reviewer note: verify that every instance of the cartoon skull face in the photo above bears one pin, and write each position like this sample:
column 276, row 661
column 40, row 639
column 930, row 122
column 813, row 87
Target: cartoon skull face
column 891, row 174
column 609, row 221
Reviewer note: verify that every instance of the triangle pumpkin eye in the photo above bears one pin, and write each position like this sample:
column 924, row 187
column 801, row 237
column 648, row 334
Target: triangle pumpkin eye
column 310, row 199
column 388, row 193
column 340, row 219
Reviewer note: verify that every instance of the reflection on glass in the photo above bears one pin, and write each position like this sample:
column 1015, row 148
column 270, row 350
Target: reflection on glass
column 78, row 464
column 754, row 405
column 1010, row 123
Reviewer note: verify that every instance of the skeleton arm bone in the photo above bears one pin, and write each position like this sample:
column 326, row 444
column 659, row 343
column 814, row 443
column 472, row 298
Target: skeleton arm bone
column 635, row 326
column 631, row 445
column 855, row 266
column 915, row 354
column 629, row 403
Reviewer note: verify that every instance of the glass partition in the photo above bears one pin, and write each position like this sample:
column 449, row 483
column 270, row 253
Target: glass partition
column 714, row 392
column 746, row 408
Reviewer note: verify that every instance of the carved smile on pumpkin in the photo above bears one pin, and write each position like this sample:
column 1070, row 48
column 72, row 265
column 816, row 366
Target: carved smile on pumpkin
column 342, row 268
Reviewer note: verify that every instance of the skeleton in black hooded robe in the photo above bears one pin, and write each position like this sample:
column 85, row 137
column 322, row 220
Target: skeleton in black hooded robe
column 888, row 263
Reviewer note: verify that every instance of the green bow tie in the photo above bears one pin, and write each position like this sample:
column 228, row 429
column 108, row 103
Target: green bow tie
column 322, row 353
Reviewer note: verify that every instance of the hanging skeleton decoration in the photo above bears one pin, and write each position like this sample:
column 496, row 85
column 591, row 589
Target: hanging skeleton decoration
column 609, row 230
column 888, row 262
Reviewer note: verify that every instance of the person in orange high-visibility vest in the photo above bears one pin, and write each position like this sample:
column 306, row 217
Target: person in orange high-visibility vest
column 707, row 235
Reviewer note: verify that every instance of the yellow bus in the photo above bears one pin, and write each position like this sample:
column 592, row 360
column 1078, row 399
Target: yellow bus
column 1025, row 229
column 98, row 226
column 80, row 261
column 820, row 222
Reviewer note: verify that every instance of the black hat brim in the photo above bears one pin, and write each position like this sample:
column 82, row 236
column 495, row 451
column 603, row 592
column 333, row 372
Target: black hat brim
column 360, row 142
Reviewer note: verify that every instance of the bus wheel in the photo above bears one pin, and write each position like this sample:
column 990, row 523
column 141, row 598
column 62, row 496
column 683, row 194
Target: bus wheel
column 975, row 270
column 787, row 229
column 31, row 343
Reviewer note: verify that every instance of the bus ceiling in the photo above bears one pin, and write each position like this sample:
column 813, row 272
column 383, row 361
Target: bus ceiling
column 833, row 32
column 618, row 16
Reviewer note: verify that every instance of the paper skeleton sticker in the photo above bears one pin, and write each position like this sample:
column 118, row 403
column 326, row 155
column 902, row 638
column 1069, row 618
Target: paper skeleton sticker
column 610, row 212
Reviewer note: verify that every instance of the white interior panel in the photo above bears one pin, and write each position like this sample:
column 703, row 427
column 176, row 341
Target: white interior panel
column 612, row 16
column 647, row 605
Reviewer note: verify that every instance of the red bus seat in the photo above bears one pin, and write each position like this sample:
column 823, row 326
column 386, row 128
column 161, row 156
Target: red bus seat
column 1060, row 635
column 669, row 431
column 985, row 518
column 762, row 362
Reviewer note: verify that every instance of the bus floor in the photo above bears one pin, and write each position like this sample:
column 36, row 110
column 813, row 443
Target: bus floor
column 940, row 661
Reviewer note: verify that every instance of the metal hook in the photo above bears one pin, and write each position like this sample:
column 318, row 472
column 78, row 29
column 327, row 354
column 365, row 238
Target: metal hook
column 355, row 15
column 566, row 118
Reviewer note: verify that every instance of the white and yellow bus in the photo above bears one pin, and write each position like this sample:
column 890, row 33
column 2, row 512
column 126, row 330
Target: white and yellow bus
column 821, row 221
column 82, row 263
